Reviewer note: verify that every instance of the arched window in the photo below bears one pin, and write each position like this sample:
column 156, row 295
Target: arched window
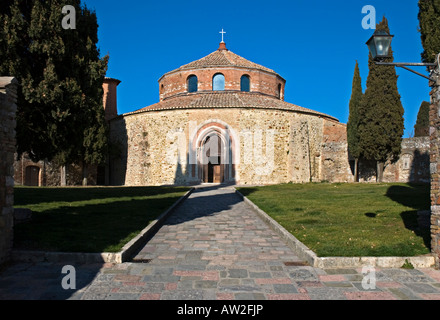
column 279, row 91
column 192, row 83
column 245, row 83
column 218, row 82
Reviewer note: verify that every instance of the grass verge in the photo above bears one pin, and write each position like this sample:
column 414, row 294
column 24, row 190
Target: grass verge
column 89, row 220
column 349, row 220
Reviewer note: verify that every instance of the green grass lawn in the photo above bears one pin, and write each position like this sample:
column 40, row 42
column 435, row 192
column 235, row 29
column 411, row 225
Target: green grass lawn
column 88, row 219
column 349, row 219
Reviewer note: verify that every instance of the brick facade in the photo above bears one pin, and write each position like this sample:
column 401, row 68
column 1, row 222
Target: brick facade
column 232, row 66
column 8, row 109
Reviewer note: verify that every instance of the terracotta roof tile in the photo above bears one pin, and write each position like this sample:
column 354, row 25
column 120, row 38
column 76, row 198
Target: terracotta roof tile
column 222, row 58
column 225, row 99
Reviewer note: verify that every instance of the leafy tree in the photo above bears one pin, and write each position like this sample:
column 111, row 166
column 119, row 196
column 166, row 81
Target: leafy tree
column 429, row 22
column 381, row 123
column 60, row 115
column 421, row 128
column 353, row 120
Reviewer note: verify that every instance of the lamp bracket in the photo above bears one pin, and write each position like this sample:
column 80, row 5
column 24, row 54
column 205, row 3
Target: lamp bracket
column 405, row 66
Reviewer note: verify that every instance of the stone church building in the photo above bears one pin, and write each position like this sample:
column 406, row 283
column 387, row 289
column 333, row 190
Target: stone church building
column 223, row 119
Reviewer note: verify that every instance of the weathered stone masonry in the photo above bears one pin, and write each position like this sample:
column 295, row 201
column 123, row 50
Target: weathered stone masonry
column 8, row 108
column 434, row 117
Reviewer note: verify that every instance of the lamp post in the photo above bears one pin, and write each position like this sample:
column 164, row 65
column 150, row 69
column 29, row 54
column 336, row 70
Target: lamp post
column 379, row 45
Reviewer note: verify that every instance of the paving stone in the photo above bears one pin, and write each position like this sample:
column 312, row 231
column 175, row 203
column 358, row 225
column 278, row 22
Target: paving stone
column 237, row 273
column 285, row 288
column 404, row 294
column 214, row 247
column 205, row 284
column 422, row 288
column 249, row 296
column 303, row 275
column 339, row 284
column 340, row 271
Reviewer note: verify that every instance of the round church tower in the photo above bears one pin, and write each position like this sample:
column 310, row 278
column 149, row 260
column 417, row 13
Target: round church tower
column 222, row 70
column 223, row 119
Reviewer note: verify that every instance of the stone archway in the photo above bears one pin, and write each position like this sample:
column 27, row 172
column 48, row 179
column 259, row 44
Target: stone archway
column 213, row 150
column 213, row 160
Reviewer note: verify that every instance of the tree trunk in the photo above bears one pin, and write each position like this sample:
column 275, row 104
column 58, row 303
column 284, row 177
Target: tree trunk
column 85, row 174
column 379, row 176
column 63, row 172
column 356, row 170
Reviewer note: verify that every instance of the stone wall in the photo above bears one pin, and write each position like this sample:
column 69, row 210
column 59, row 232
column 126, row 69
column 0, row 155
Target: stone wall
column 412, row 166
column 335, row 159
column 48, row 174
column 434, row 123
column 265, row 146
column 8, row 109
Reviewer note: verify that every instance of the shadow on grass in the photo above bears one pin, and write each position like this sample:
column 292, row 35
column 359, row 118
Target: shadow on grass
column 417, row 197
column 90, row 228
column 28, row 195
column 411, row 223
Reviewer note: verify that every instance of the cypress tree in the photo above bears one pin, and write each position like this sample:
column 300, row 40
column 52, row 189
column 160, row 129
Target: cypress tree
column 381, row 123
column 429, row 27
column 421, row 129
column 60, row 115
column 353, row 120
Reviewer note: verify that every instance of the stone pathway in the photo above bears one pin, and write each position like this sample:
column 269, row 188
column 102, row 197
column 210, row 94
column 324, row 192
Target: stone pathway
column 214, row 247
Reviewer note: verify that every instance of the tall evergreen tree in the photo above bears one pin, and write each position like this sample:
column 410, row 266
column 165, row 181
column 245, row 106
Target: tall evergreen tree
column 421, row 129
column 381, row 125
column 429, row 27
column 60, row 115
column 353, row 120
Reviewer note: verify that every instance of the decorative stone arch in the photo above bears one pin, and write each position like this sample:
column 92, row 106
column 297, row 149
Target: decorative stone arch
column 200, row 153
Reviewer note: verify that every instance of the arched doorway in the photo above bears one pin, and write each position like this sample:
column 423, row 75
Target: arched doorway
column 213, row 155
column 213, row 159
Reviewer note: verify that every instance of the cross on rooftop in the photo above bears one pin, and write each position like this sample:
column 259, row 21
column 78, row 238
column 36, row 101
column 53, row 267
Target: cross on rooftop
column 223, row 33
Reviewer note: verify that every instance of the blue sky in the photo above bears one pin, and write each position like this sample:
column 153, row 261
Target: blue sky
column 313, row 44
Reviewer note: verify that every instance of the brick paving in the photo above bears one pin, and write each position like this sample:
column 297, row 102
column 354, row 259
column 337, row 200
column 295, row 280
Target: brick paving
column 214, row 247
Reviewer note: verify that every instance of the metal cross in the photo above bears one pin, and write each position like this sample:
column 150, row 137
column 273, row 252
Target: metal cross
column 223, row 33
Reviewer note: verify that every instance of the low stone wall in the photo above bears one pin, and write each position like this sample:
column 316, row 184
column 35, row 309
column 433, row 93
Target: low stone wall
column 8, row 109
column 412, row 166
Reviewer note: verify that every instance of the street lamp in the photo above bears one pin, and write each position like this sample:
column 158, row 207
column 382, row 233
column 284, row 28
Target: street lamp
column 379, row 45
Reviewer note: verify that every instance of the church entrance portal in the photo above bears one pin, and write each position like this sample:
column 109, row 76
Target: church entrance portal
column 213, row 159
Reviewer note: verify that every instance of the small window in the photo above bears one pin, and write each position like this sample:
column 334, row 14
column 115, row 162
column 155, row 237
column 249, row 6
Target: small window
column 218, row 82
column 279, row 91
column 245, row 83
column 192, row 83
